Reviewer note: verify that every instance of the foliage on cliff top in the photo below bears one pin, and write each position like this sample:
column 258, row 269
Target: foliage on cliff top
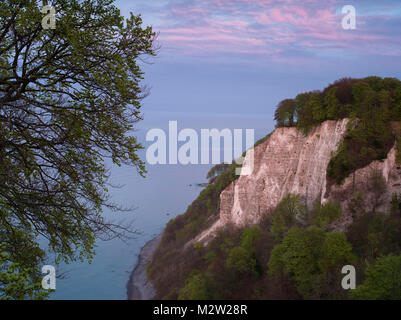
column 345, row 98
column 371, row 103
column 216, row 170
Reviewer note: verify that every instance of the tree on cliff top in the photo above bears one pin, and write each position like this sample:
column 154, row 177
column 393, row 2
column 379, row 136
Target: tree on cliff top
column 68, row 99
column 285, row 113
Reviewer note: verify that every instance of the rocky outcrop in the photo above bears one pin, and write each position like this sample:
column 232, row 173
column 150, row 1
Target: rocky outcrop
column 365, row 181
column 290, row 162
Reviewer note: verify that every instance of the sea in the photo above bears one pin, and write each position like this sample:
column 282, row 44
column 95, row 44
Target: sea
column 158, row 198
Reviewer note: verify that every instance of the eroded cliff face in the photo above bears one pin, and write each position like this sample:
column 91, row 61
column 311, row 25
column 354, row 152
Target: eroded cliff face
column 363, row 180
column 289, row 162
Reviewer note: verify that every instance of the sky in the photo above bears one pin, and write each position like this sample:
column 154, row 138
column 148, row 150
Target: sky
column 283, row 31
column 230, row 62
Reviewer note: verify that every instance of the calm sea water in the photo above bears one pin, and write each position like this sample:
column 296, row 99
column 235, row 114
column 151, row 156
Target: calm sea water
column 158, row 198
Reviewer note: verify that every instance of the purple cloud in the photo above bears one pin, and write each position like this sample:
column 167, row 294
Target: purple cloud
column 276, row 29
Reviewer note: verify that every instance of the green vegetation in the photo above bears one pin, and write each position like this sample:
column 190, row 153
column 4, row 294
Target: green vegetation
column 69, row 98
column 196, row 288
column 372, row 104
column 289, row 213
column 216, row 170
column 285, row 113
column 324, row 215
column 383, row 280
column 293, row 254
column 313, row 258
column 16, row 281
column 242, row 259
column 374, row 234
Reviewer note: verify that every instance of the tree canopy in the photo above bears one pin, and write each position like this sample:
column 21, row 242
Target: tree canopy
column 290, row 212
column 196, row 288
column 309, row 255
column 285, row 114
column 372, row 104
column 383, row 280
column 345, row 98
column 69, row 98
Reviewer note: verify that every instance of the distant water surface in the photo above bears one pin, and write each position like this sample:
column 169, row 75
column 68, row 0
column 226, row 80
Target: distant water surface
column 158, row 198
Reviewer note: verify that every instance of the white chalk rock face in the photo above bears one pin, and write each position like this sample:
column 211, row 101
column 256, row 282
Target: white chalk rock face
column 289, row 162
column 361, row 181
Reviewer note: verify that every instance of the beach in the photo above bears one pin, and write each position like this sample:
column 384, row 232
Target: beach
column 138, row 286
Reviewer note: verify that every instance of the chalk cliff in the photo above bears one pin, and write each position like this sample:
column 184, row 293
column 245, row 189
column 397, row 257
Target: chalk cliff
column 290, row 162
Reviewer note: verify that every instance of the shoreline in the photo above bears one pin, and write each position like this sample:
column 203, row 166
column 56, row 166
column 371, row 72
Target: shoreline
column 138, row 286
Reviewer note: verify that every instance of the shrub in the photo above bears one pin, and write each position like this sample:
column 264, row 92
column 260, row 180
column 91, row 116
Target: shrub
column 323, row 215
column 196, row 288
column 309, row 257
column 288, row 213
column 241, row 261
column 383, row 280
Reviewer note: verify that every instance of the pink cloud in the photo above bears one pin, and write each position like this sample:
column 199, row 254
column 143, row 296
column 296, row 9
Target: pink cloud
column 269, row 26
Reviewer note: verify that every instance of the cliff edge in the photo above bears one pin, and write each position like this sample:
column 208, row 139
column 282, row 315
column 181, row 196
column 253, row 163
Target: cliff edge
column 290, row 162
